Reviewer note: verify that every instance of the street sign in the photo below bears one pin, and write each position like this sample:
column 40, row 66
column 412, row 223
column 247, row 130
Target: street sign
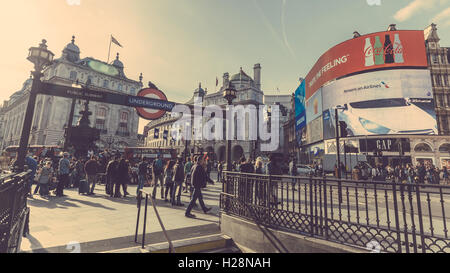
column 152, row 99
column 155, row 98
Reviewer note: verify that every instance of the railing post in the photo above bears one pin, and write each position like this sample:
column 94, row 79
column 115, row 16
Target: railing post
column 311, row 206
column 138, row 215
column 419, row 214
column 397, row 224
column 145, row 221
column 325, row 226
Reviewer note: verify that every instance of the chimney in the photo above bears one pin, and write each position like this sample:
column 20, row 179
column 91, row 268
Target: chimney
column 392, row 27
column 257, row 75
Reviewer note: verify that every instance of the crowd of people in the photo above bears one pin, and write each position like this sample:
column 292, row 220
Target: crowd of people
column 52, row 174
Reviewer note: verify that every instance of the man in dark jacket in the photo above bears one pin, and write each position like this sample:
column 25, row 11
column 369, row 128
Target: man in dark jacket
column 198, row 180
column 111, row 174
column 91, row 168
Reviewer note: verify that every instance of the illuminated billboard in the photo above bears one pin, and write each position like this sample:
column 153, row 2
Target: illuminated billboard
column 382, row 50
column 300, row 112
column 380, row 103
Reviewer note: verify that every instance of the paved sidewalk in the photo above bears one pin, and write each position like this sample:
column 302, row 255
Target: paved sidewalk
column 55, row 222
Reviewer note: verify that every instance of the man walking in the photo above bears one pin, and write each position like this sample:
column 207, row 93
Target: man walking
column 63, row 171
column 178, row 183
column 187, row 172
column 142, row 176
column 158, row 176
column 91, row 168
column 198, row 180
column 111, row 174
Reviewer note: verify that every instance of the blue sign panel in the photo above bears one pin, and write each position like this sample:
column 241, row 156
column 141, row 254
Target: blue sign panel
column 300, row 112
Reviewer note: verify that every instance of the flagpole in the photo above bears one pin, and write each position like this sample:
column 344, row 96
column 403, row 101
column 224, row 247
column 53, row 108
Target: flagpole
column 109, row 51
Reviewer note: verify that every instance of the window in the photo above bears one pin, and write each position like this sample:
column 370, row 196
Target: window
column 101, row 113
column 73, row 75
column 100, row 124
column 120, row 87
column 90, row 78
column 445, row 80
column 434, row 59
column 438, row 80
column 123, row 117
column 444, row 123
column 423, row 147
column 132, row 91
column 105, row 84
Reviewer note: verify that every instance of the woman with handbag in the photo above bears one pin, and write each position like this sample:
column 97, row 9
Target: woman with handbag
column 44, row 177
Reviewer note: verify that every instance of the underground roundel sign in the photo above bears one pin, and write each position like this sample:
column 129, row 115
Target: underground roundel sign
column 149, row 113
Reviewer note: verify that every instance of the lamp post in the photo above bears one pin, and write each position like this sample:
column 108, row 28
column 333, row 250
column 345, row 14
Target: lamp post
column 41, row 57
column 338, row 156
column 229, row 94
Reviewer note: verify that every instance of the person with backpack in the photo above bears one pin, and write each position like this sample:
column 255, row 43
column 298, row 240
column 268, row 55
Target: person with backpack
column 158, row 176
column 187, row 172
column 199, row 181
column 142, row 176
column 274, row 169
column 168, row 180
column 178, row 170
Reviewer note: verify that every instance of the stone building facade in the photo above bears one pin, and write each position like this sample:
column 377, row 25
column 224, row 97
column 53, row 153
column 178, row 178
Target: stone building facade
column 439, row 65
column 118, row 124
column 249, row 92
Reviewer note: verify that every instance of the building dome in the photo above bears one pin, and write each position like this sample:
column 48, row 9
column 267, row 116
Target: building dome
column 72, row 52
column 200, row 90
column 72, row 46
column 117, row 63
column 241, row 76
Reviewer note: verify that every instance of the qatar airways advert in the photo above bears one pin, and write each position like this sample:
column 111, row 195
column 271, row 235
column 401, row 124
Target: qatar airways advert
column 380, row 103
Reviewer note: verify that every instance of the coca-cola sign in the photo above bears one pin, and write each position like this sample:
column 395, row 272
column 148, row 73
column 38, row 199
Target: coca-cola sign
column 404, row 48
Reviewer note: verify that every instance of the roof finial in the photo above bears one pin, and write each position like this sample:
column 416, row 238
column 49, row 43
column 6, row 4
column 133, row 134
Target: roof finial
column 73, row 39
column 117, row 57
column 140, row 78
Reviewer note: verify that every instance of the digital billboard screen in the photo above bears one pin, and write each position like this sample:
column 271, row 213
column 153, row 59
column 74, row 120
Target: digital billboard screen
column 382, row 50
column 300, row 112
column 381, row 103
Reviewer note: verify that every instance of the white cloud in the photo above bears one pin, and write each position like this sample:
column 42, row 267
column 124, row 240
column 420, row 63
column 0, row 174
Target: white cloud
column 413, row 8
column 442, row 16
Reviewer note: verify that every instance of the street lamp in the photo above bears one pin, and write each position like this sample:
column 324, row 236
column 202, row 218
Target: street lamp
column 229, row 94
column 41, row 57
column 338, row 157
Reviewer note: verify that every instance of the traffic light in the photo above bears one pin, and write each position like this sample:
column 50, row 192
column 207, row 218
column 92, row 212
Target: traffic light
column 343, row 128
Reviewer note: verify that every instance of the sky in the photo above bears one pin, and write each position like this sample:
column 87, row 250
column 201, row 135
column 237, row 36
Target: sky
column 177, row 44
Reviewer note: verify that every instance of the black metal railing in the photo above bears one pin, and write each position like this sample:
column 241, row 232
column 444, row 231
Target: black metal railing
column 147, row 197
column 384, row 216
column 13, row 210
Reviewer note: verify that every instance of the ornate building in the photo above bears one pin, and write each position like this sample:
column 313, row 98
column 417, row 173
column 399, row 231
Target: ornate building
column 118, row 124
column 248, row 92
column 439, row 65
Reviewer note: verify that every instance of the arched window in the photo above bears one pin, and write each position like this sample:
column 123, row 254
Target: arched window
column 73, row 75
column 444, row 148
column 423, row 147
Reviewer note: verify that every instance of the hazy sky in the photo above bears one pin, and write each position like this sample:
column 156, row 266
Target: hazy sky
column 178, row 43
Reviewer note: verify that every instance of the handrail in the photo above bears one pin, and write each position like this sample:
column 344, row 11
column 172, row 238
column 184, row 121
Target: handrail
column 171, row 248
